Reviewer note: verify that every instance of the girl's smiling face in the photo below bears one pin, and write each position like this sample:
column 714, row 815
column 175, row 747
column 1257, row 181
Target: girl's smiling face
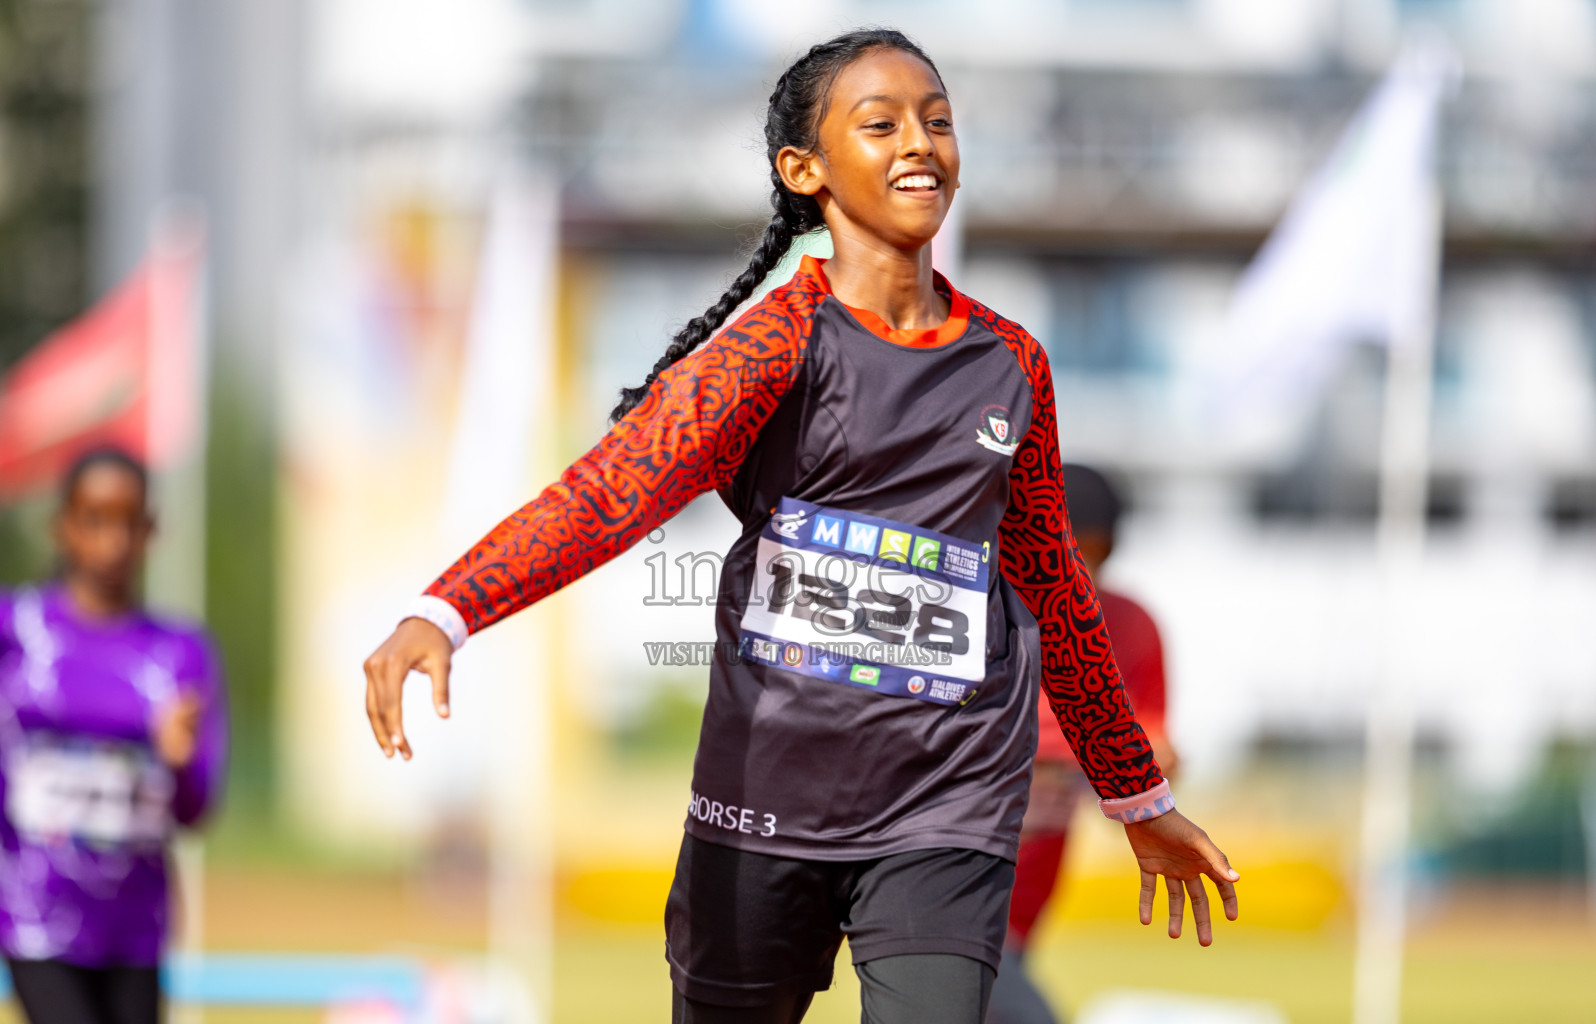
column 887, row 160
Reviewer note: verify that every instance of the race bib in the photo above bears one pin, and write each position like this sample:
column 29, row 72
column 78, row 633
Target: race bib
column 98, row 792
column 868, row 602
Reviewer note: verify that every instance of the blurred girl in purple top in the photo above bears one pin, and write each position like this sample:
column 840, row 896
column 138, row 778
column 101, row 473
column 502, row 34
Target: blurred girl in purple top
column 112, row 732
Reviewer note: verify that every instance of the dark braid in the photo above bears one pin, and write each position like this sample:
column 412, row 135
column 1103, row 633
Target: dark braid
column 797, row 105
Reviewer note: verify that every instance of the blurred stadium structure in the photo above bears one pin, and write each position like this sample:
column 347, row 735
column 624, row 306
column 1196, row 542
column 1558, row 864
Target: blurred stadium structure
column 1124, row 159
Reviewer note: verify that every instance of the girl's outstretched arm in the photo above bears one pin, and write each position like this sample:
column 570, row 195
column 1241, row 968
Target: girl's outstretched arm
column 689, row 435
column 1079, row 675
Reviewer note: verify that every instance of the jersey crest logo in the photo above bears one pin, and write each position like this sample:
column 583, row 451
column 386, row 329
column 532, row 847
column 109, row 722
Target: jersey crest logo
column 994, row 432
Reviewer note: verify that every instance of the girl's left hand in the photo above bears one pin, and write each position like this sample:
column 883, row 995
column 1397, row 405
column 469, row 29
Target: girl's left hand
column 175, row 731
column 1173, row 846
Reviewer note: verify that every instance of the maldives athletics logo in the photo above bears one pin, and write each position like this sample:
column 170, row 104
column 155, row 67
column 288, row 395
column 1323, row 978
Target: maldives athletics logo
column 995, row 432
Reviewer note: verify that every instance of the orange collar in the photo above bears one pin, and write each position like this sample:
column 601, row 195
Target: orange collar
column 929, row 337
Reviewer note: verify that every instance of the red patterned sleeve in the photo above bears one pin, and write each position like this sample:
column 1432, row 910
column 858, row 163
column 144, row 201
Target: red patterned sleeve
column 1040, row 561
column 688, row 436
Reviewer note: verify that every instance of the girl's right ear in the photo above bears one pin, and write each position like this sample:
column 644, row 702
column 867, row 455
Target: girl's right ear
column 803, row 173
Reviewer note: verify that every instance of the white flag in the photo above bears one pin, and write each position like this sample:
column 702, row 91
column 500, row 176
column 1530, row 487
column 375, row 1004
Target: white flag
column 1338, row 268
column 501, row 682
column 509, row 358
column 500, row 426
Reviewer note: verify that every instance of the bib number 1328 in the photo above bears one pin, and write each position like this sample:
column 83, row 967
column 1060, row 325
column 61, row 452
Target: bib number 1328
column 848, row 608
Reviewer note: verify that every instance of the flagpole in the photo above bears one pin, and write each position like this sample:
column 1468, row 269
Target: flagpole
column 1389, row 727
column 1357, row 256
column 521, row 849
column 179, row 361
column 178, row 378
column 499, row 447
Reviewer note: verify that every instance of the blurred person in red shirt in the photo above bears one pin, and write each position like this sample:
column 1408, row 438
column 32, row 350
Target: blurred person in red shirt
column 1057, row 784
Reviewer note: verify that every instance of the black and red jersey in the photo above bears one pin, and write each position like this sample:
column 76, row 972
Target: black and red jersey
column 904, row 576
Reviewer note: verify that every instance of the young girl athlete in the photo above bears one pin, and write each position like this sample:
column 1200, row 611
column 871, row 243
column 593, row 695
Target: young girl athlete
column 113, row 729
column 904, row 576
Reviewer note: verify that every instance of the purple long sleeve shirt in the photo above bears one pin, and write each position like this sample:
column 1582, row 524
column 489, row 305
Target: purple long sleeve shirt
column 86, row 806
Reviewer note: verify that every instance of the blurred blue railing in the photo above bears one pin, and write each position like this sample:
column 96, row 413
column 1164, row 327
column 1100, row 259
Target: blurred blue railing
column 290, row 980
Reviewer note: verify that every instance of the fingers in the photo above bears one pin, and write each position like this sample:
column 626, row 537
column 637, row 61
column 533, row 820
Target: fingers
column 1227, row 893
column 438, row 669
column 1218, row 865
column 373, row 708
column 414, row 645
column 183, row 706
column 385, row 678
column 1218, row 868
column 1177, row 905
column 393, row 714
column 1145, row 904
column 1199, row 910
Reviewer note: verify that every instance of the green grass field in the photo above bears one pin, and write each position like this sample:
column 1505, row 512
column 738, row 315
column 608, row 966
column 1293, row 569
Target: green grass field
column 1478, row 953
column 1515, row 957
column 1473, row 975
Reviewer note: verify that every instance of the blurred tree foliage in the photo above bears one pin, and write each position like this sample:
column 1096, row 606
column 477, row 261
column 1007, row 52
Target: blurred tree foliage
column 44, row 186
column 666, row 727
column 44, row 167
column 1541, row 833
column 240, row 564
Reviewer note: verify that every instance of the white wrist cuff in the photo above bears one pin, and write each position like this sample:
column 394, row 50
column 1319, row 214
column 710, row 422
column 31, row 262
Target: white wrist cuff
column 441, row 614
column 1141, row 807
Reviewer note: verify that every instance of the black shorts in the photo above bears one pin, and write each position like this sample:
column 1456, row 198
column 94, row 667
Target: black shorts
column 744, row 929
column 56, row 992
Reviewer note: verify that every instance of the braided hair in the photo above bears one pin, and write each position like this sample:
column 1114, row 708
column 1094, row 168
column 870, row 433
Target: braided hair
column 797, row 106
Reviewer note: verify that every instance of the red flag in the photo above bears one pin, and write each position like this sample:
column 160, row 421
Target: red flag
column 125, row 373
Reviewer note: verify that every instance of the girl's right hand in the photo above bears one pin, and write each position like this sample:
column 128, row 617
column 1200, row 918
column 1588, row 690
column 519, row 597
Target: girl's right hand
column 415, row 645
